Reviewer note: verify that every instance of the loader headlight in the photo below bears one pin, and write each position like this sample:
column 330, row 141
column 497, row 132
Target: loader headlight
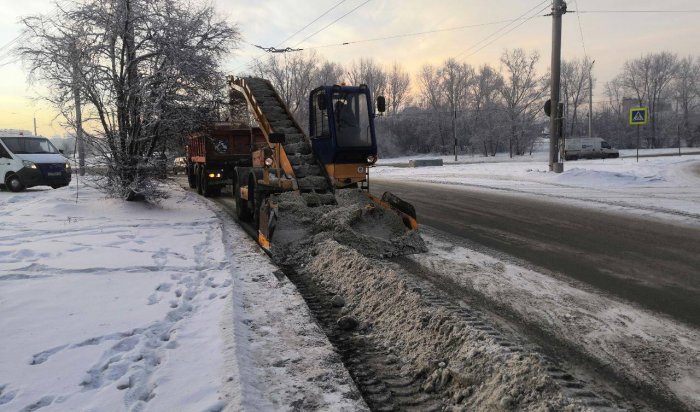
column 371, row 159
column 268, row 162
column 29, row 164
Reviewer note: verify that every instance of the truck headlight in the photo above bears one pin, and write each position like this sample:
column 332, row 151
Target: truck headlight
column 68, row 167
column 371, row 159
column 29, row 164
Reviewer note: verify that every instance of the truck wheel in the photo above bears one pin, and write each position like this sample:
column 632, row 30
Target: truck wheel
column 198, row 180
column 190, row 177
column 203, row 183
column 14, row 184
column 242, row 210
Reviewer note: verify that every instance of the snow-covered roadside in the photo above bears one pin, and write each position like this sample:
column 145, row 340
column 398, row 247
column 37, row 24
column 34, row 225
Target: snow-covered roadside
column 643, row 346
column 657, row 187
column 108, row 305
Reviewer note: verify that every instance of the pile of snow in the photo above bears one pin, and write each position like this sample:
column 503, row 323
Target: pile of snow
column 643, row 346
column 356, row 221
column 450, row 356
column 108, row 305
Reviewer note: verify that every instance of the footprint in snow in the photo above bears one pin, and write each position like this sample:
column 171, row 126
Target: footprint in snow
column 41, row 403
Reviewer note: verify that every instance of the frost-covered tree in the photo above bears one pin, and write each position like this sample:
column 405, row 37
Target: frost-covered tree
column 486, row 109
column 397, row 90
column 649, row 79
column 145, row 71
column 574, row 92
column 368, row 72
column 686, row 89
column 522, row 92
column 293, row 75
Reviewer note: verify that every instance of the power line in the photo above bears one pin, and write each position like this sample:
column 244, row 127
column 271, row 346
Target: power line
column 313, row 34
column 500, row 30
column 537, row 14
column 312, row 22
column 636, row 11
column 331, row 23
column 580, row 30
column 413, row 34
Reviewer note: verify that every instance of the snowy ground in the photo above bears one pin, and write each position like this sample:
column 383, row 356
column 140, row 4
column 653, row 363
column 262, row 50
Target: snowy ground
column 108, row 305
column 657, row 187
column 639, row 344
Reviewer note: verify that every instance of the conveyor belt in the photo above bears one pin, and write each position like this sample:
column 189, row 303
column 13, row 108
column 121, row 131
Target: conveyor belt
column 312, row 180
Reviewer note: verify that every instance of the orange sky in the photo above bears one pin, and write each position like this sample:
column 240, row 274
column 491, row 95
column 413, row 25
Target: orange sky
column 609, row 38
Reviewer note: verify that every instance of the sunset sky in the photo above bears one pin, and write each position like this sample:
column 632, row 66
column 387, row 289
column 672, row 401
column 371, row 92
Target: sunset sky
column 609, row 38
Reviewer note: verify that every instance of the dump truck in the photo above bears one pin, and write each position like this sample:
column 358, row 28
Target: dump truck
column 213, row 153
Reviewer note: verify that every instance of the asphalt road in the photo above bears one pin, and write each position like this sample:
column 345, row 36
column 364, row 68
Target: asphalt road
column 653, row 264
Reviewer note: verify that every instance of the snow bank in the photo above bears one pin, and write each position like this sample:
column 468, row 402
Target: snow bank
column 108, row 305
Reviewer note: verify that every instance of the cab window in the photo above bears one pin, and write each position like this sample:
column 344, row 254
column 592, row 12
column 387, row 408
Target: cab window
column 605, row 145
column 351, row 119
column 319, row 122
column 3, row 152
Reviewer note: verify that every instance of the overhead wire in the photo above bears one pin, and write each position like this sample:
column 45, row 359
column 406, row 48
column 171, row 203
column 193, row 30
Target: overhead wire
column 308, row 37
column 536, row 14
column 635, row 11
column 312, row 22
column 501, row 29
column 580, row 30
column 331, row 23
column 412, row 34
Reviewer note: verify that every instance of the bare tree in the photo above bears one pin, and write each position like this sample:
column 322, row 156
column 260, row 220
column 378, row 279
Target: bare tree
column 433, row 101
column 293, row 76
column 147, row 71
column 398, row 84
column 649, row 78
column 486, row 106
column 574, row 90
column 329, row 73
column 522, row 92
column 368, row 72
column 686, row 88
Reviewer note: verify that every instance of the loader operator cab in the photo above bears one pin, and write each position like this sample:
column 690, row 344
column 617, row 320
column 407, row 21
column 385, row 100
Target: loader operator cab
column 342, row 132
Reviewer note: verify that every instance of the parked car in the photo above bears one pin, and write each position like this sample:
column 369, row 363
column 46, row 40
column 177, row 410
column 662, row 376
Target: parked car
column 27, row 161
column 588, row 148
column 179, row 165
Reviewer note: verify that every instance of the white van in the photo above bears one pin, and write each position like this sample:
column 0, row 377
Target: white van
column 588, row 148
column 27, row 161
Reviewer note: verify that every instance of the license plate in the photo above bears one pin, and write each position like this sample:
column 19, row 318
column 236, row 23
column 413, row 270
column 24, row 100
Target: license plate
column 54, row 173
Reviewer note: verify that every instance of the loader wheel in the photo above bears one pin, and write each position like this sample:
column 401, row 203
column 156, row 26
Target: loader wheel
column 242, row 210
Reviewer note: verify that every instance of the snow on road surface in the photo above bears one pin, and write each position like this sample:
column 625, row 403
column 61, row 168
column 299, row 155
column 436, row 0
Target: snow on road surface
column 643, row 346
column 655, row 187
column 109, row 305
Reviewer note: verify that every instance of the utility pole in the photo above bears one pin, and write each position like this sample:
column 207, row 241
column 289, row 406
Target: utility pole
column 454, row 129
column 590, row 99
column 555, row 165
column 35, row 126
column 78, row 113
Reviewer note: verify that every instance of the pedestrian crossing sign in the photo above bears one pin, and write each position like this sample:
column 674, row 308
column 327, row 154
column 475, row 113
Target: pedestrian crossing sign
column 639, row 116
